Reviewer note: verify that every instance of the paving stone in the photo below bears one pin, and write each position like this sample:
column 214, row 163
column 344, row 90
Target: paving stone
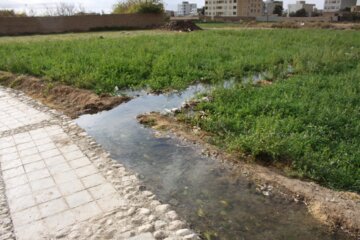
column 60, row 221
column 54, row 189
column 81, row 162
column 79, row 198
column 71, row 187
column 39, row 174
column 19, row 191
column 41, row 184
column 30, row 167
column 93, row 180
column 47, row 195
column 86, row 211
column 26, row 216
column 21, row 203
column 102, row 190
column 52, row 207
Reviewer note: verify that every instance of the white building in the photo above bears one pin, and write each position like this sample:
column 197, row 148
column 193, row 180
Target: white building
column 338, row 5
column 233, row 8
column 309, row 8
column 187, row 9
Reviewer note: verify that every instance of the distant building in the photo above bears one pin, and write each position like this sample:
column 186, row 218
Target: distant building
column 309, row 8
column 356, row 8
column 338, row 5
column 270, row 5
column 187, row 9
column 233, row 8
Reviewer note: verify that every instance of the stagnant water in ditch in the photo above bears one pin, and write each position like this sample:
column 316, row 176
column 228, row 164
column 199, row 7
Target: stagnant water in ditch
column 215, row 200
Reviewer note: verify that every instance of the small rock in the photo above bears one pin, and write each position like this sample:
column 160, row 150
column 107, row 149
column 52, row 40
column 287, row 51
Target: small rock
column 159, row 224
column 162, row 208
column 160, row 234
column 144, row 211
column 172, row 215
column 183, row 232
column 177, row 224
column 146, row 228
column 191, row 237
column 131, row 211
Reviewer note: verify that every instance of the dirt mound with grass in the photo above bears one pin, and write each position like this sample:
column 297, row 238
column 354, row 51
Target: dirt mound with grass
column 181, row 26
column 70, row 100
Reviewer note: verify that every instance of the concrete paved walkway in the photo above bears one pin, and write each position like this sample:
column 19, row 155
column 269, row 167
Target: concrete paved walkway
column 56, row 182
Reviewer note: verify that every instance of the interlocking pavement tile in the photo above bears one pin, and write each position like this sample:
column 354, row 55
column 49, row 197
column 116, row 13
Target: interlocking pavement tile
column 50, row 153
column 16, row 181
column 39, row 174
column 26, row 216
column 93, row 180
column 11, row 164
column 28, row 152
column 102, row 190
column 31, row 158
column 52, row 207
column 79, row 198
column 9, row 157
column 30, row 167
column 24, row 146
column 86, row 171
column 46, row 147
column 71, row 187
column 81, row 162
column 35, row 230
column 43, row 183
column 19, row 191
column 55, row 160
column 47, row 195
column 86, row 211
column 60, row 221
column 13, row 172
column 60, row 168
column 63, row 177
column 73, row 155
column 21, row 203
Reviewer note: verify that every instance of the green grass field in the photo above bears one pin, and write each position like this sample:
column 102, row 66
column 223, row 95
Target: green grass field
column 310, row 119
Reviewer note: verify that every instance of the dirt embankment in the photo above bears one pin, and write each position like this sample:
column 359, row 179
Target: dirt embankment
column 70, row 100
column 334, row 208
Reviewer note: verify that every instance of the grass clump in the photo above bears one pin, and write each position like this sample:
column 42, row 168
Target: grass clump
column 311, row 121
column 173, row 61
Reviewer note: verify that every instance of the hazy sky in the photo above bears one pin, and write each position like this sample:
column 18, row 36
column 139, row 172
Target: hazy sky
column 99, row 5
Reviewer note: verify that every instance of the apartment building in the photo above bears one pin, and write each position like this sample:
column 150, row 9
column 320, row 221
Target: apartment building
column 332, row 6
column 232, row 8
column 186, row 9
column 309, row 7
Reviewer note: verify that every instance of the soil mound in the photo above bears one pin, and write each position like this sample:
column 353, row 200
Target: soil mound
column 181, row 26
column 70, row 100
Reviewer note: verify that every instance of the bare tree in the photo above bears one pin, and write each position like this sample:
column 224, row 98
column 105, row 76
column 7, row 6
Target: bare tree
column 65, row 9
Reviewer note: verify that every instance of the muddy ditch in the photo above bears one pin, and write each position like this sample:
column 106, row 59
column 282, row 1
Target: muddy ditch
column 72, row 101
column 336, row 209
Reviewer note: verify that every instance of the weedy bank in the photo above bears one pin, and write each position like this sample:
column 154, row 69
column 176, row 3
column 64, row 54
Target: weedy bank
column 309, row 118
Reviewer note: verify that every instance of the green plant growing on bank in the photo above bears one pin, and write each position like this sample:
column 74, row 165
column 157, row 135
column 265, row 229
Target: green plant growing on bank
column 310, row 122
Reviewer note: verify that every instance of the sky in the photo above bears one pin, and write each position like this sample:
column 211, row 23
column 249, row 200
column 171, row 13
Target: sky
column 101, row 5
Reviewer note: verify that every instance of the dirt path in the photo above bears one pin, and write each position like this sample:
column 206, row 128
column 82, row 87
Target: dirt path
column 57, row 182
column 71, row 101
column 333, row 208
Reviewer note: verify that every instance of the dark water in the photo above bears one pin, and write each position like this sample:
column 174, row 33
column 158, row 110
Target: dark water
column 217, row 201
